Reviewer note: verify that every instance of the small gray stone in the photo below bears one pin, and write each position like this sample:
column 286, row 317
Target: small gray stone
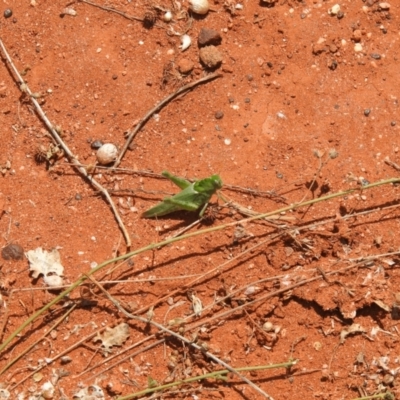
column 208, row 36
column 8, row 13
column 96, row 144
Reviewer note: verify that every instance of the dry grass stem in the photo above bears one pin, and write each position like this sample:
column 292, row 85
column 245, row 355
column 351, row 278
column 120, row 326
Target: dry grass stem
column 182, row 338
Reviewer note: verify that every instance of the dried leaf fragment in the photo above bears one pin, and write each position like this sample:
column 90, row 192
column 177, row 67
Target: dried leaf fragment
column 197, row 306
column 355, row 328
column 93, row 392
column 46, row 263
column 113, row 337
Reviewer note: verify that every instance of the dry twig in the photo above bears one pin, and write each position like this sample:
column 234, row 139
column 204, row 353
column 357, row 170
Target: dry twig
column 182, row 90
column 182, row 338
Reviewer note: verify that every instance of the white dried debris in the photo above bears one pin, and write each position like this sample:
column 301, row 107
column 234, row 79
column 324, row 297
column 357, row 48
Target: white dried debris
column 47, row 264
column 355, row 328
column 197, row 305
column 113, row 337
column 48, row 390
column 4, row 394
column 92, row 392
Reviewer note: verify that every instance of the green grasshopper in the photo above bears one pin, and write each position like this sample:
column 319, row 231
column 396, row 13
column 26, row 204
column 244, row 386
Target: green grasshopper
column 191, row 198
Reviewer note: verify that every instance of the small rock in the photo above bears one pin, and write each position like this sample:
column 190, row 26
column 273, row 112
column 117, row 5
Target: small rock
column 12, row 251
column 8, row 13
column 375, row 56
column 95, row 145
column 357, row 35
column 227, row 68
column 340, row 15
column 334, row 10
column 319, row 47
column 358, row 48
column 208, row 37
column 384, row 6
column 106, row 154
column 185, row 66
column 367, row 111
column 210, row 56
column 219, row 115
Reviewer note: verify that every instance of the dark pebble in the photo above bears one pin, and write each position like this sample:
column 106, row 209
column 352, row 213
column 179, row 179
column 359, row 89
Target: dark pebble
column 231, row 100
column 96, row 144
column 7, row 13
column 279, row 175
column 340, row 15
column 270, row 65
column 247, row 100
column 12, row 251
column 208, row 37
column 302, row 16
column 219, row 115
column 393, row 123
column 376, row 56
column 115, row 77
column 333, row 65
column 367, row 111
column 78, row 196
column 249, row 77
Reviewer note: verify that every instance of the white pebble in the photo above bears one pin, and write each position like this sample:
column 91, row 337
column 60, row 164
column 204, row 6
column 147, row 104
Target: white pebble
column 384, row 6
column 106, row 154
column 227, row 141
column 98, row 50
column 334, row 10
column 358, row 48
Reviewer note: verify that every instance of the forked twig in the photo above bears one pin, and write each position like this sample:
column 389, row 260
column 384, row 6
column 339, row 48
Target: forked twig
column 25, row 89
column 182, row 338
column 134, row 131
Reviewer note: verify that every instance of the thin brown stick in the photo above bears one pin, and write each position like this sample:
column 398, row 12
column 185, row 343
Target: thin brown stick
column 392, row 164
column 147, row 338
column 123, row 14
column 141, row 123
column 182, row 338
column 66, row 351
column 29, row 348
column 129, row 356
column 25, row 89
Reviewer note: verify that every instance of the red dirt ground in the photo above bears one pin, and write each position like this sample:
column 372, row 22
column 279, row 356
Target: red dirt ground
column 306, row 106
